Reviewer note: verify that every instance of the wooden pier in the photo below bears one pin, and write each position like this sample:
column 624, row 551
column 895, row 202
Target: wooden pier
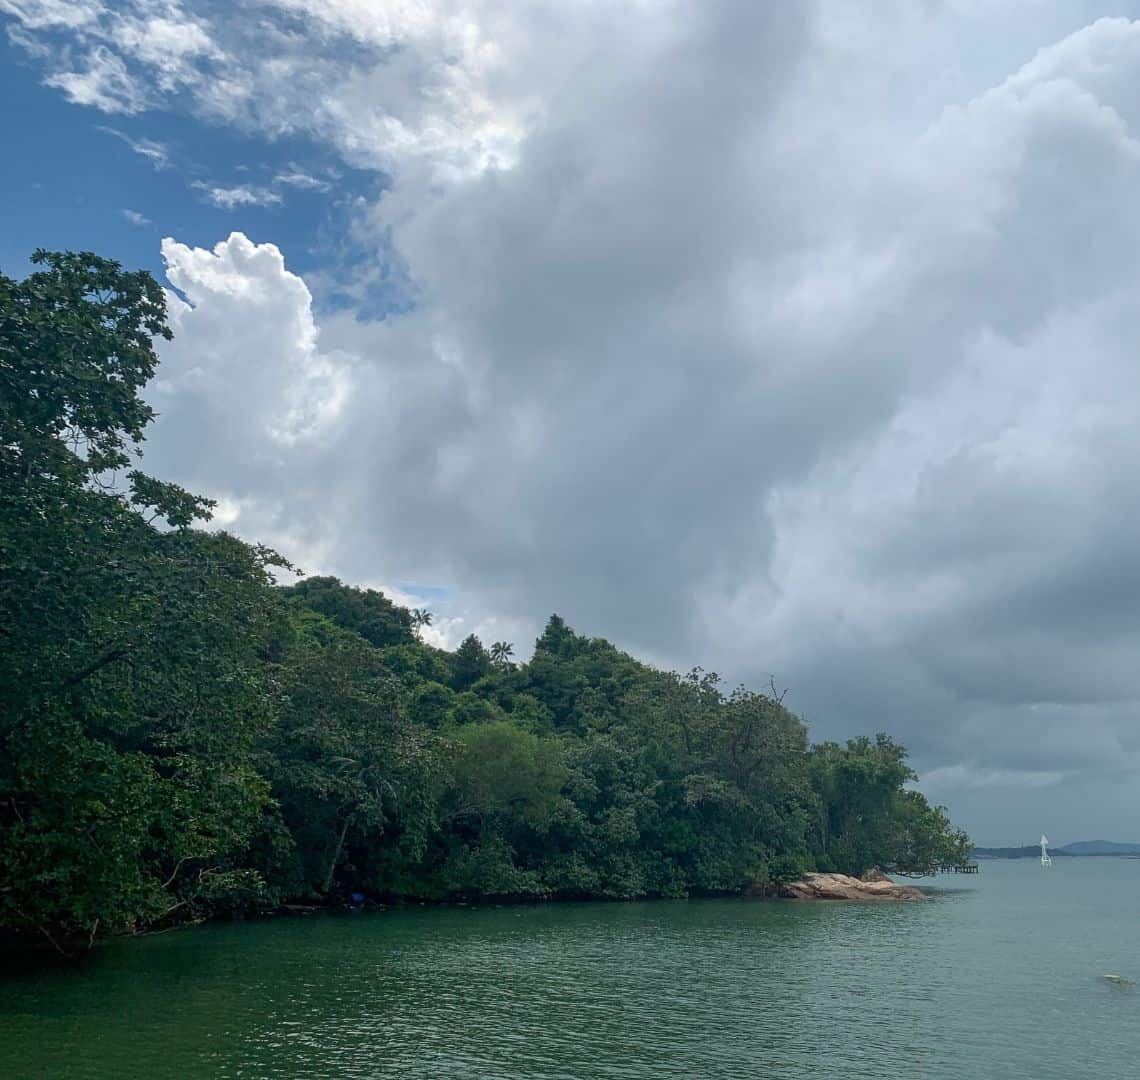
column 959, row 868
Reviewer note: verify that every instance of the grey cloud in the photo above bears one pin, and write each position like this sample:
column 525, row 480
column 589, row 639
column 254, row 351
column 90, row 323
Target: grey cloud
column 782, row 338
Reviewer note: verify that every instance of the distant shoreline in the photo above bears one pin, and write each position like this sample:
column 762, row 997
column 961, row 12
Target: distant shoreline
column 1062, row 854
column 1080, row 849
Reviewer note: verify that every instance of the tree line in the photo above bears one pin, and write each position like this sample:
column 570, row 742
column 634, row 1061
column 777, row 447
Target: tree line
column 187, row 730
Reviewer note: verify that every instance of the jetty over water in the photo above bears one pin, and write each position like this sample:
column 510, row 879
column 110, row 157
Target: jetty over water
column 959, row 868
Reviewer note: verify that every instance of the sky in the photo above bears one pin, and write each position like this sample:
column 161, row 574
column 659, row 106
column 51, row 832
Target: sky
column 786, row 340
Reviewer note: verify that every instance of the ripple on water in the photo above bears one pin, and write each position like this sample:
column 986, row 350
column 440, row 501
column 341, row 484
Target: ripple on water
column 1000, row 978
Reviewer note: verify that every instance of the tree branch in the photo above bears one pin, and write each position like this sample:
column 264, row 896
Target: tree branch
column 178, row 866
column 112, row 654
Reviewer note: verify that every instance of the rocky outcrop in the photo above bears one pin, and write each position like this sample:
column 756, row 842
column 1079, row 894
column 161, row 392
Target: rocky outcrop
column 841, row 887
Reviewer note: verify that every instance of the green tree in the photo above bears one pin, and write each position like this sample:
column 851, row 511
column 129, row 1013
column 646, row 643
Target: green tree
column 470, row 663
column 506, row 786
column 414, row 663
column 364, row 611
column 342, row 758
column 501, row 653
column 124, row 796
column 429, row 704
column 868, row 818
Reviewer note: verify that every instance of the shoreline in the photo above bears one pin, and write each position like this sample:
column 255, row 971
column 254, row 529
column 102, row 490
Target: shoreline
column 812, row 888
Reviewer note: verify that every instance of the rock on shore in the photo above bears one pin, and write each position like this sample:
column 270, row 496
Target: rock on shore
column 875, row 886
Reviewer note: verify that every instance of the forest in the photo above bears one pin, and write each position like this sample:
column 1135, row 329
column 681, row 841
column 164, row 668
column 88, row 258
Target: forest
column 189, row 728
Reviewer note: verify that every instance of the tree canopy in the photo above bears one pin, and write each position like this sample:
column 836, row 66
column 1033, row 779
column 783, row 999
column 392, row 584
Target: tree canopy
column 183, row 736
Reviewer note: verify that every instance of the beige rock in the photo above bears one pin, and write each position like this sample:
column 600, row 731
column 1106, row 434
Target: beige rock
column 842, row 887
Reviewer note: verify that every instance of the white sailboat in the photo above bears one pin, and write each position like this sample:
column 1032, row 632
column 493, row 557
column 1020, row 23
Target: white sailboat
column 1046, row 858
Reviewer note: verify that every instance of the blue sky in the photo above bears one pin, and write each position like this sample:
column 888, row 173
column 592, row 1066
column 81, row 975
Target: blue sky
column 73, row 180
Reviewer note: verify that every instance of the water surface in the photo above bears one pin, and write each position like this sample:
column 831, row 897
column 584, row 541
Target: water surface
column 996, row 976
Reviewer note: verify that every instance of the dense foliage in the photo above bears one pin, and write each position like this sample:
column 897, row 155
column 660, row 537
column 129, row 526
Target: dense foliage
column 181, row 736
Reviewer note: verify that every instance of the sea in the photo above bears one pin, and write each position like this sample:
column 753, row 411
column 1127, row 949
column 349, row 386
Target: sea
column 997, row 975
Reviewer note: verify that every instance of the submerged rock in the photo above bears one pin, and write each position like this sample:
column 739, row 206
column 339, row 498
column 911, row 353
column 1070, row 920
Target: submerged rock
column 841, row 887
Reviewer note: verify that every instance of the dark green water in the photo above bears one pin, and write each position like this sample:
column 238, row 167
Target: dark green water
column 997, row 976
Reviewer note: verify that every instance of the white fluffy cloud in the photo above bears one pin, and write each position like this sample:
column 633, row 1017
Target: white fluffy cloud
column 246, row 345
column 789, row 338
column 394, row 85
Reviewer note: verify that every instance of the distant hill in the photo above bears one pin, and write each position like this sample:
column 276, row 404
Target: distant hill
column 1080, row 847
column 1100, row 847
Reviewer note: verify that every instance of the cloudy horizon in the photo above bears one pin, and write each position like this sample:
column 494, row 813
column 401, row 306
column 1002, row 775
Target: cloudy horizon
column 783, row 340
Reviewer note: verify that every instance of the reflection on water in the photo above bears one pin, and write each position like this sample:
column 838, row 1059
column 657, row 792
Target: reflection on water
column 998, row 976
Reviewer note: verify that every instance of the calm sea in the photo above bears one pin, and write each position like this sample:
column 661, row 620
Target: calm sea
column 997, row 976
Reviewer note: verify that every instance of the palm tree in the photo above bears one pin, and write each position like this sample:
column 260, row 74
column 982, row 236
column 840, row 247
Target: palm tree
column 421, row 617
column 501, row 653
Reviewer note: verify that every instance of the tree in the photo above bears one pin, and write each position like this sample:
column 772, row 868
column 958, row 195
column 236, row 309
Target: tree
column 342, row 758
column 75, row 348
column 501, row 653
column 414, row 663
column 124, row 796
column 558, row 639
column 506, row 786
column 366, row 612
column 868, row 818
column 429, row 703
column 470, row 663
